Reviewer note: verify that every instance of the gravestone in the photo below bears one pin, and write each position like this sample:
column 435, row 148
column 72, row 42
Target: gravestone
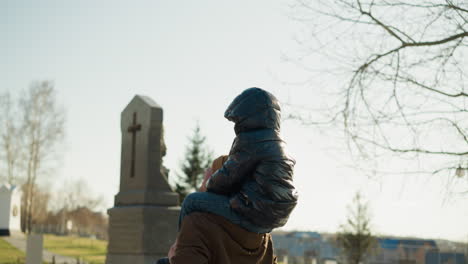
column 34, row 244
column 143, row 221
column 10, row 213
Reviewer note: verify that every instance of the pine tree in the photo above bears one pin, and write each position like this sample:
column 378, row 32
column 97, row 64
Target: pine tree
column 197, row 159
column 355, row 237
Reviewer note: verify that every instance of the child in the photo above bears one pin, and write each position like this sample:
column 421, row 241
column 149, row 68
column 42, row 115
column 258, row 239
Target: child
column 253, row 188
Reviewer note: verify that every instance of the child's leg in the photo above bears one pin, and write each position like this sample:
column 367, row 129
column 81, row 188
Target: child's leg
column 215, row 204
column 209, row 203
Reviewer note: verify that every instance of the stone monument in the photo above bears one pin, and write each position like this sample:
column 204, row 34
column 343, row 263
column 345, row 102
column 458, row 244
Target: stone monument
column 10, row 213
column 143, row 221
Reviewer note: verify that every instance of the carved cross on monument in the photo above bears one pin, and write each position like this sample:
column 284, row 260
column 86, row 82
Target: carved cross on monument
column 142, row 179
column 134, row 128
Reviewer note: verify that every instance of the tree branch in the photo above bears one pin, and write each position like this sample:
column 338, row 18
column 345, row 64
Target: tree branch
column 411, row 150
column 437, row 42
column 432, row 89
column 378, row 22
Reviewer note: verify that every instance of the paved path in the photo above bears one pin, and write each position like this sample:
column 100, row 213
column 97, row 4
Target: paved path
column 47, row 256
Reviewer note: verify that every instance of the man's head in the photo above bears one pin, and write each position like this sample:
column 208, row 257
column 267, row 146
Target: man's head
column 254, row 109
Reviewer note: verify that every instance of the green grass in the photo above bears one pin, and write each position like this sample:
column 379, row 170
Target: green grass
column 91, row 250
column 10, row 254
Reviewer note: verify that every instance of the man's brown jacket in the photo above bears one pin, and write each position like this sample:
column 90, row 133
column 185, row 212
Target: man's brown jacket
column 210, row 239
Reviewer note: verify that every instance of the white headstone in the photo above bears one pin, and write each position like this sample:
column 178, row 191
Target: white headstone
column 10, row 213
column 34, row 246
column 69, row 225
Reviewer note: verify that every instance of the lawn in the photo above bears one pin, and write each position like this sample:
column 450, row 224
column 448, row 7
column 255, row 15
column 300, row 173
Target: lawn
column 9, row 254
column 91, row 250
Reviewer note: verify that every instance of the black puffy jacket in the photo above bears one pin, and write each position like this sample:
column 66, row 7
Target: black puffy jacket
column 258, row 175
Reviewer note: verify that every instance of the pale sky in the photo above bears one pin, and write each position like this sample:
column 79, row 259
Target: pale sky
column 193, row 58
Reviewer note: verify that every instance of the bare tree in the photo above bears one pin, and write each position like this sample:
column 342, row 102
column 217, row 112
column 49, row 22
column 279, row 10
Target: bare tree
column 77, row 194
column 41, row 203
column 355, row 237
column 402, row 73
column 43, row 128
column 74, row 201
column 10, row 149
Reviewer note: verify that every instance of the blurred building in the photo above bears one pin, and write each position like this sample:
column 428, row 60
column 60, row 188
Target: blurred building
column 314, row 248
column 304, row 248
column 445, row 258
column 402, row 251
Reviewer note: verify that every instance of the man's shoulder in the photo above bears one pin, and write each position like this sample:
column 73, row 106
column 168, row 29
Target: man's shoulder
column 198, row 217
column 206, row 220
column 225, row 240
column 215, row 225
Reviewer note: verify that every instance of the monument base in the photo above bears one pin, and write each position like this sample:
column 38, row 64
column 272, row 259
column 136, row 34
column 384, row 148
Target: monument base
column 141, row 233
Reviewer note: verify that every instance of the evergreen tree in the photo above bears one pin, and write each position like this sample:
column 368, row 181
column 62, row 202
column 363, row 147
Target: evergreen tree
column 355, row 237
column 197, row 159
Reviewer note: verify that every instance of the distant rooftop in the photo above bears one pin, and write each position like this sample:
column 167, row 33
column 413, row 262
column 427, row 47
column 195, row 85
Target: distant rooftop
column 392, row 243
column 304, row 234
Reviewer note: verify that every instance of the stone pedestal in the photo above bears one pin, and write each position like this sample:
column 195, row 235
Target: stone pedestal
column 143, row 222
column 144, row 233
column 34, row 246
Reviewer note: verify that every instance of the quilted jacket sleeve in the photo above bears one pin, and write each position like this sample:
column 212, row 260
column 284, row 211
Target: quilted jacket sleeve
column 229, row 178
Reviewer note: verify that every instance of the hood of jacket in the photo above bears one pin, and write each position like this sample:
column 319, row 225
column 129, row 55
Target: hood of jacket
column 254, row 109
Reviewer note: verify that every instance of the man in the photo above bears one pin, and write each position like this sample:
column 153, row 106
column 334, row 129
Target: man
column 206, row 238
column 211, row 239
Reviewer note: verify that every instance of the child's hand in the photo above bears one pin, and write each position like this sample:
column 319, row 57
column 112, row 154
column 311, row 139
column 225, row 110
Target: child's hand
column 172, row 250
column 208, row 174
